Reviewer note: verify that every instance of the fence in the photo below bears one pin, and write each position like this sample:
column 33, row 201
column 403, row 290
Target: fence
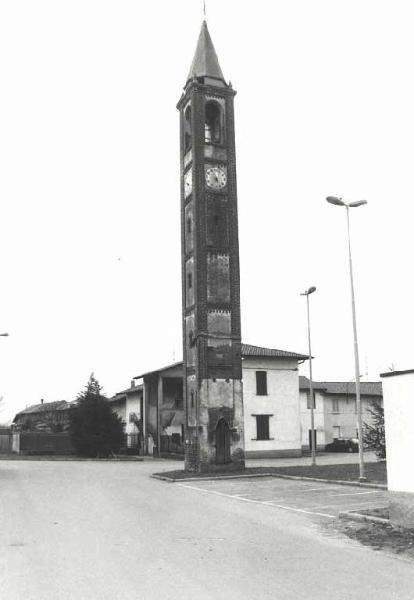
column 133, row 444
column 45, row 443
column 172, row 444
column 9, row 442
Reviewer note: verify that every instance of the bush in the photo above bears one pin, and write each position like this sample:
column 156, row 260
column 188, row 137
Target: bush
column 374, row 435
column 94, row 429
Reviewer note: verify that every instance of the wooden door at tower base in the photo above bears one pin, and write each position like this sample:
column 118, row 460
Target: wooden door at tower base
column 222, row 443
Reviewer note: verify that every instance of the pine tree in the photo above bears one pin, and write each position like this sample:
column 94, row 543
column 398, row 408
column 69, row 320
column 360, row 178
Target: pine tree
column 95, row 430
column 374, row 434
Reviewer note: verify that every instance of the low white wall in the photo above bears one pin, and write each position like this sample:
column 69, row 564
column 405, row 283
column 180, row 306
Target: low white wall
column 398, row 391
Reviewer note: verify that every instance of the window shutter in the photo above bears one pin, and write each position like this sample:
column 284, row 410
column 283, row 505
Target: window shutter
column 261, row 383
column 262, row 422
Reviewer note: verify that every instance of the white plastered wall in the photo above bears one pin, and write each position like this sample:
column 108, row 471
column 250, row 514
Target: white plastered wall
column 281, row 401
column 398, row 392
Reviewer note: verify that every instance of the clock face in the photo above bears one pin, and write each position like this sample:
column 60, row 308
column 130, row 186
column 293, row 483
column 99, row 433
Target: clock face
column 216, row 177
column 188, row 182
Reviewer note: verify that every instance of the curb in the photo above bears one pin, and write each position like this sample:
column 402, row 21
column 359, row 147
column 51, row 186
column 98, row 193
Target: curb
column 212, row 478
column 356, row 516
column 379, row 486
column 68, row 459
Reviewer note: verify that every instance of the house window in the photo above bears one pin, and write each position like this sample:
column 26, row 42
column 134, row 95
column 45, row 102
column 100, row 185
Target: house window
column 190, row 281
column 335, row 405
column 336, row 432
column 261, row 383
column 262, row 427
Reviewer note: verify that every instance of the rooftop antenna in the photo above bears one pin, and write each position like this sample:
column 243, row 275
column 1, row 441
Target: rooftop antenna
column 204, row 8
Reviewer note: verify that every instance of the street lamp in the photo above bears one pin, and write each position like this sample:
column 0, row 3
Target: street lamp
column 339, row 202
column 311, row 393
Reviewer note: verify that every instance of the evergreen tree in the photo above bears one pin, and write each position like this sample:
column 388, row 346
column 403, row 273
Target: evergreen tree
column 95, row 430
column 374, row 434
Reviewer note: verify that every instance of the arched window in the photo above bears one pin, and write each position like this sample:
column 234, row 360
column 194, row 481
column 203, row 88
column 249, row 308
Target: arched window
column 187, row 128
column 212, row 125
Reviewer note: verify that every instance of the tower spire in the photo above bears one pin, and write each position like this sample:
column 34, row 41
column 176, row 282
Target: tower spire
column 205, row 62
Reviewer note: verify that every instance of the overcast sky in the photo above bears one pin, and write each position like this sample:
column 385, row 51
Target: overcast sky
column 89, row 185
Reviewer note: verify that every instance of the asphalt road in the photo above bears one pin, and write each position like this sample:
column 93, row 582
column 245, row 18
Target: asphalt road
column 97, row 531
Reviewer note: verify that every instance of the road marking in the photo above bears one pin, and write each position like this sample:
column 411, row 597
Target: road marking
column 301, row 510
column 265, row 503
column 341, row 507
column 359, row 493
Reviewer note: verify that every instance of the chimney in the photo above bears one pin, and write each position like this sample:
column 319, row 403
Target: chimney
column 132, row 383
column 41, row 401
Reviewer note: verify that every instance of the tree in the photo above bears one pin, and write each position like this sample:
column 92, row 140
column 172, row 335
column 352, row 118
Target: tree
column 95, row 430
column 374, row 434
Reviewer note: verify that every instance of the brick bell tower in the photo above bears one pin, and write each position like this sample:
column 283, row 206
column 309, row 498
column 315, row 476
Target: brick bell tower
column 213, row 392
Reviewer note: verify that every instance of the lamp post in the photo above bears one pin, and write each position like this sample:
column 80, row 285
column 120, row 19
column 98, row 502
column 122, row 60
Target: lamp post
column 339, row 202
column 311, row 392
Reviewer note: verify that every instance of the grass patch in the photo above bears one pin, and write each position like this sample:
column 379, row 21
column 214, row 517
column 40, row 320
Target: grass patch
column 375, row 472
column 380, row 536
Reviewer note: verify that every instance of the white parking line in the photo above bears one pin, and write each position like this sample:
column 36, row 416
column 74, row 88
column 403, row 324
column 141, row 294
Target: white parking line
column 359, row 493
column 318, row 489
column 264, row 503
column 341, row 507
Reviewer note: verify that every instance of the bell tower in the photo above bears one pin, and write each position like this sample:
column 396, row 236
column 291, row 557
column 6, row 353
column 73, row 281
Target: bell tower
column 213, row 392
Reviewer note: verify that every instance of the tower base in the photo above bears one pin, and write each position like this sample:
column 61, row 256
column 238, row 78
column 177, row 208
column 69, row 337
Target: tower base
column 216, row 444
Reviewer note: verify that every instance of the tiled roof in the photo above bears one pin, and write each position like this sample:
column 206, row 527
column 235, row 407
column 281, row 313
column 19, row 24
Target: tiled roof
column 167, row 368
column 45, row 407
column 118, row 395
column 304, row 384
column 393, row 373
column 367, row 388
column 248, row 350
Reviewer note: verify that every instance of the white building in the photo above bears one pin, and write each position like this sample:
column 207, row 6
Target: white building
column 128, row 405
column 335, row 409
column 272, row 424
column 275, row 400
column 270, row 399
